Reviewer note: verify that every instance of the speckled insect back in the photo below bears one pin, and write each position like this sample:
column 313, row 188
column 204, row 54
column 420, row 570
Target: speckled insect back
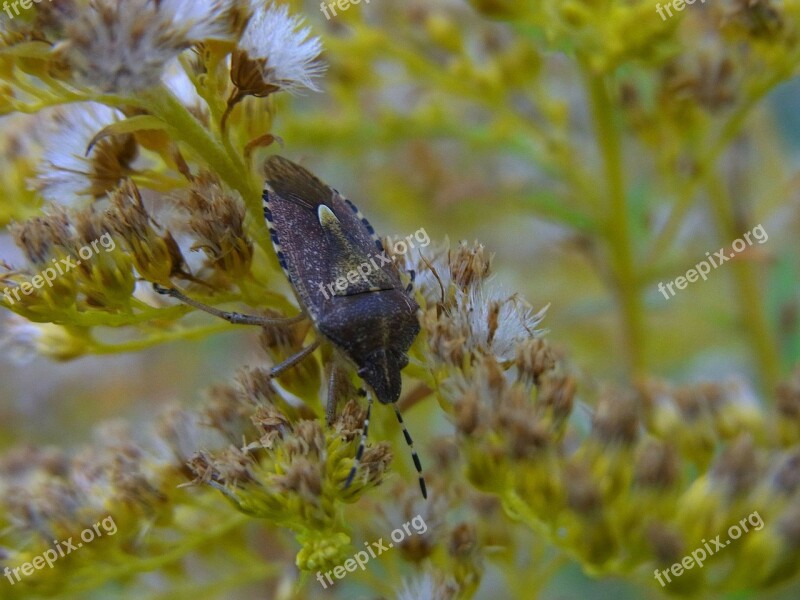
column 371, row 321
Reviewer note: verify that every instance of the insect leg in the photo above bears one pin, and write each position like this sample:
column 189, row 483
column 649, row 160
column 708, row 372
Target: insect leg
column 293, row 359
column 231, row 317
column 336, row 387
column 410, row 443
column 361, row 445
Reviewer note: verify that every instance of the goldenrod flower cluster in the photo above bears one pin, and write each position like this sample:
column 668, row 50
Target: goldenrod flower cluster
column 133, row 137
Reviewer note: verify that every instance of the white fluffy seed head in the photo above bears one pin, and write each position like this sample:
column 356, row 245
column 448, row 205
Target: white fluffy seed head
column 285, row 48
column 122, row 46
column 65, row 171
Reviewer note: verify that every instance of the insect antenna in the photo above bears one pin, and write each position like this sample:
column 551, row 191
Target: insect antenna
column 361, row 445
column 412, row 274
column 410, row 443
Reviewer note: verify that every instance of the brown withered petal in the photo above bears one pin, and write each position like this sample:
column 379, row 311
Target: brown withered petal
column 270, row 423
column 175, row 255
column 52, row 15
column 583, row 493
column 247, row 74
column 556, row 395
column 469, row 264
column 486, row 505
column 445, row 453
column 463, row 540
column 533, row 359
column 230, row 467
column 667, row 544
column 375, row 462
column 226, row 413
column 256, row 385
column 657, row 465
column 787, row 477
column 303, row 477
column 758, row 17
column 468, row 414
column 127, row 215
column 616, row 419
column 527, row 435
column 789, row 526
column 308, row 439
column 281, row 338
column 350, row 420
column 89, row 224
column 112, row 158
column 788, row 398
column 179, row 429
column 200, row 465
column 38, row 237
column 216, row 219
column 20, row 461
column 416, row 548
column 157, row 257
column 494, row 378
column 707, row 81
column 446, row 337
column 698, row 400
column 737, row 468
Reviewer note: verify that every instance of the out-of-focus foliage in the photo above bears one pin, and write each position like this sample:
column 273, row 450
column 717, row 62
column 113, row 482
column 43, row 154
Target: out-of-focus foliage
column 597, row 148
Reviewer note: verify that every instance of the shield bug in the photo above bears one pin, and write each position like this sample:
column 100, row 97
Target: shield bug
column 345, row 284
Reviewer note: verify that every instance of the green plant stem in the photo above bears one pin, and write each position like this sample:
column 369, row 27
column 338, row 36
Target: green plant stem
column 704, row 164
column 162, row 338
column 751, row 303
column 132, row 566
column 162, row 103
column 617, row 229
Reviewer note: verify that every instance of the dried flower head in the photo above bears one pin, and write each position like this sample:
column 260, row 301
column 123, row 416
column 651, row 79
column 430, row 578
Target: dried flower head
column 123, row 47
column 216, row 218
column 40, row 237
column 70, row 168
column 157, row 256
column 430, row 587
column 274, row 53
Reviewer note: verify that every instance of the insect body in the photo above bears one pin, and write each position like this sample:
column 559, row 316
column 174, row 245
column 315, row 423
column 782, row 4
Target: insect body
column 321, row 240
column 320, row 237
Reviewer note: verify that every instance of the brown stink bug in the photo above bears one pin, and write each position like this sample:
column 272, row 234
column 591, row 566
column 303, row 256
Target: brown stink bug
column 345, row 284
